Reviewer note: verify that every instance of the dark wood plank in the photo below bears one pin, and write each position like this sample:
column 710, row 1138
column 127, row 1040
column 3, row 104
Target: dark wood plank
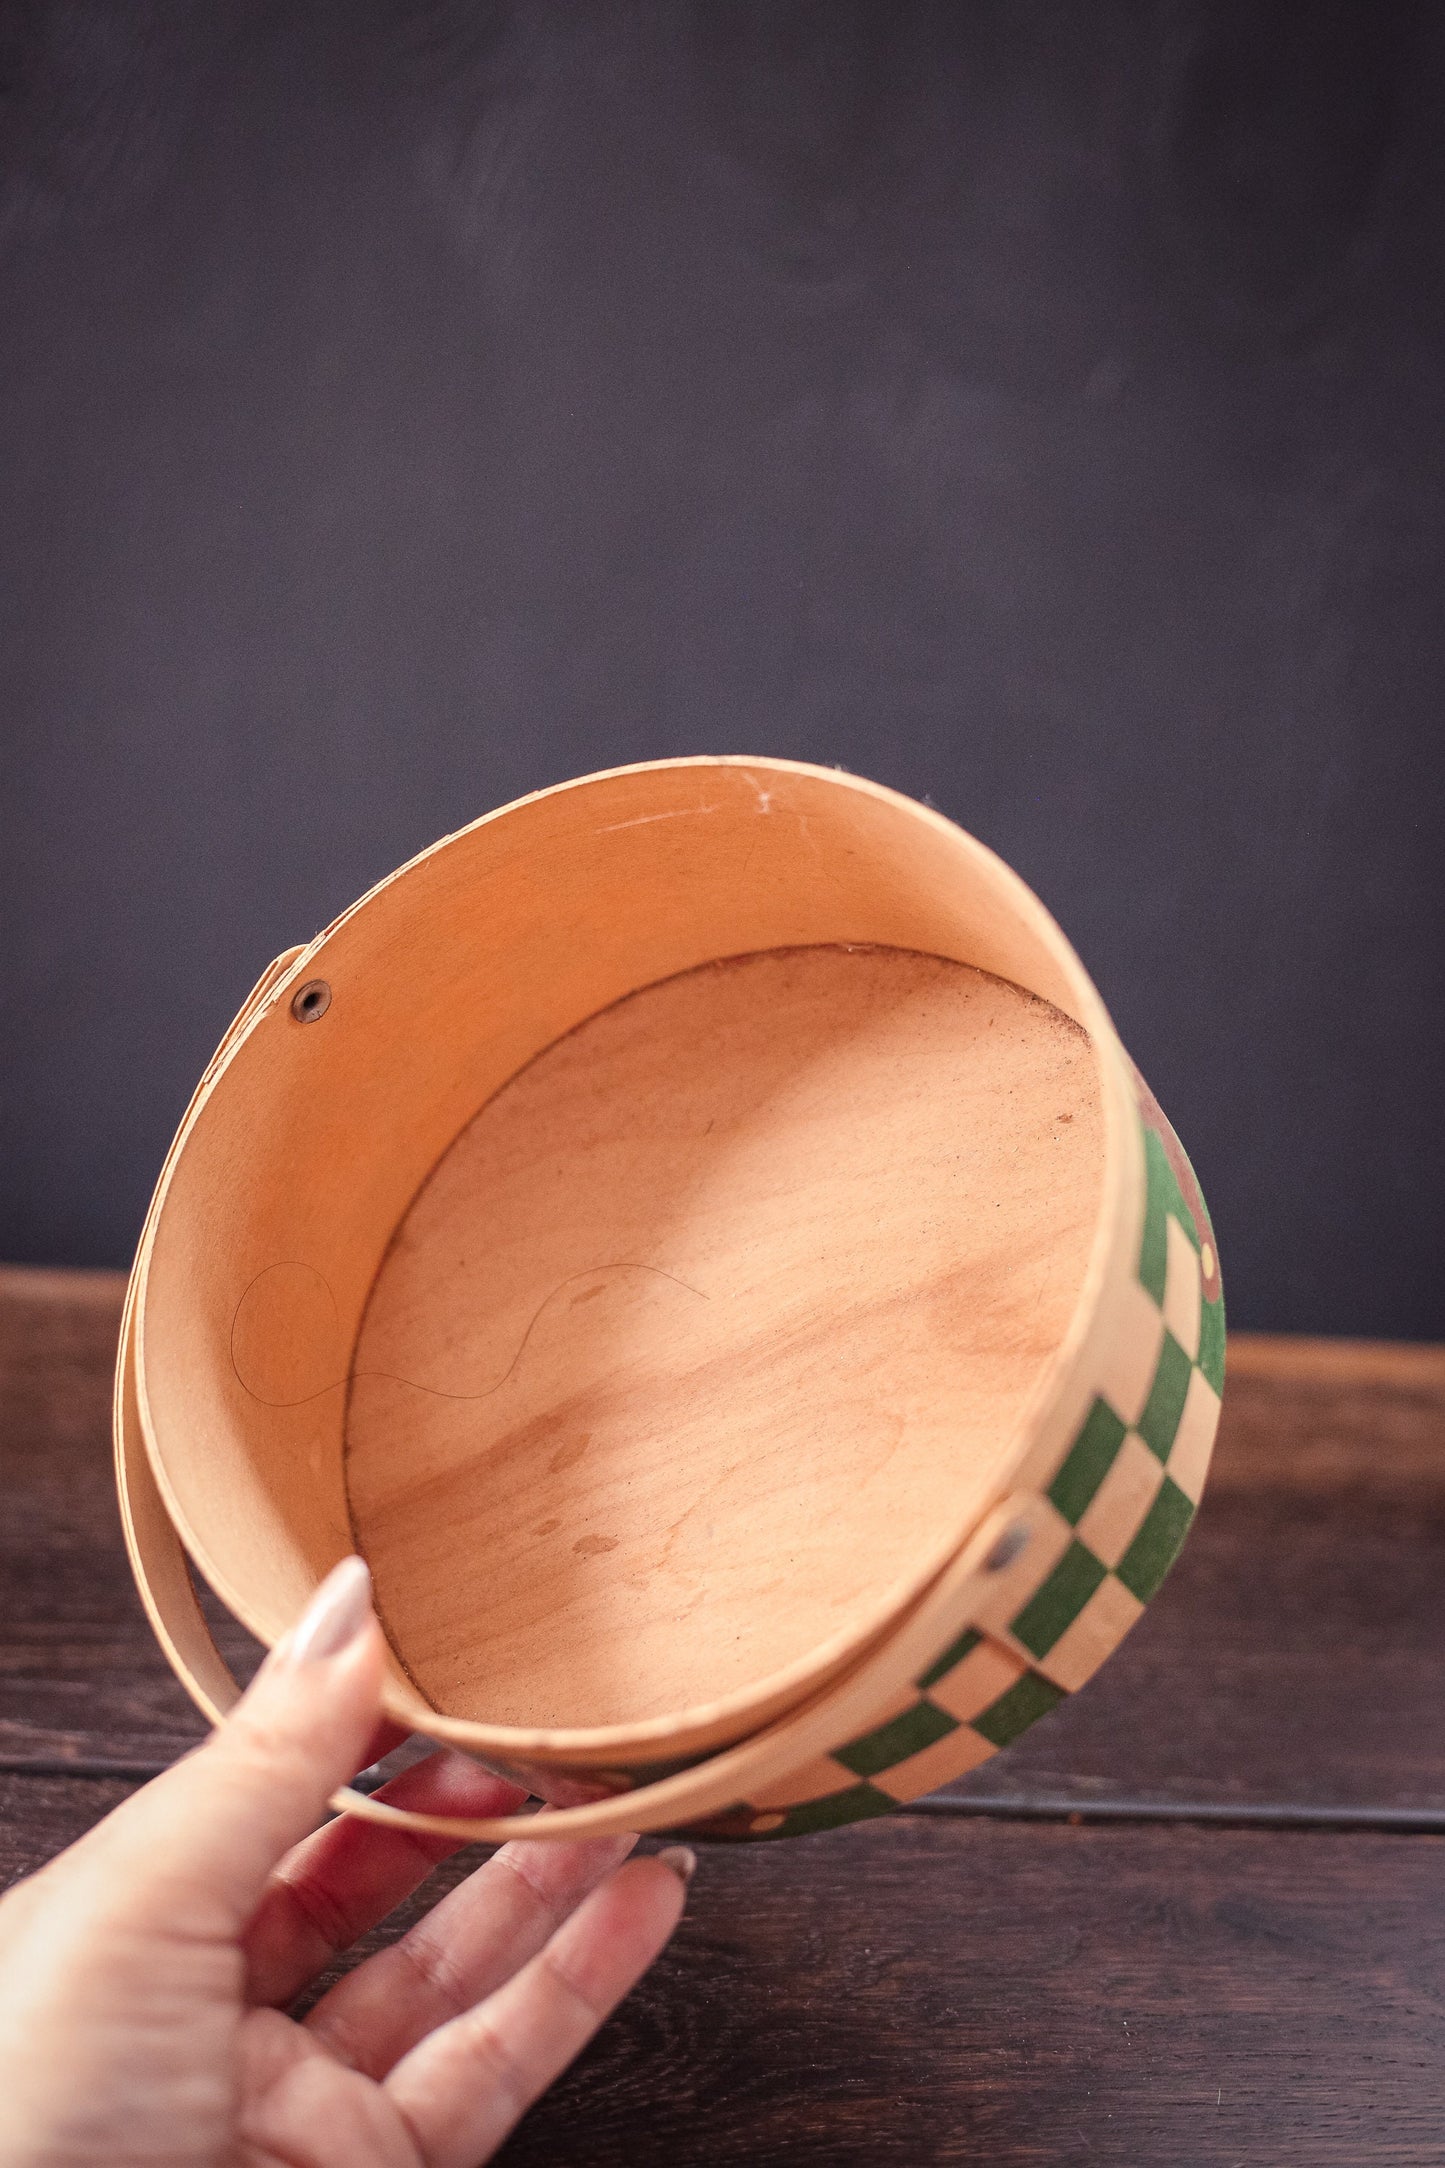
column 81, row 1676
column 940, row 1991
column 41, row 1815
column 1292, row 1658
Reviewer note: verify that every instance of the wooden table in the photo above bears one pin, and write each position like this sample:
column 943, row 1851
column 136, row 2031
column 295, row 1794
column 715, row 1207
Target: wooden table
column 1196, row 1916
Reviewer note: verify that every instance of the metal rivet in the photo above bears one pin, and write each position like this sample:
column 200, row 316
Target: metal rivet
column 1008, row 1546
column 311, row 1001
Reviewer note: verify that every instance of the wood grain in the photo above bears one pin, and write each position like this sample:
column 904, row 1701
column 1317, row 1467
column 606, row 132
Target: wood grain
column 81, row 1676
column 946, row 1993
column 447, row 981
column 940, row 1987
column 1329, row 1477
column 705, row 1338
column 41, row 1814
column 939, row 1992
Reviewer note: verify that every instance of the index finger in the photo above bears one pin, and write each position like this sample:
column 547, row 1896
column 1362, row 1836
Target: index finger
column 338, row 1883
column 467, row 2084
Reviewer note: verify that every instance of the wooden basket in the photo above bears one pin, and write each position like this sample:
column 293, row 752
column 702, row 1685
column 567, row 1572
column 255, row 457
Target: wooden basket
column 697, row 1232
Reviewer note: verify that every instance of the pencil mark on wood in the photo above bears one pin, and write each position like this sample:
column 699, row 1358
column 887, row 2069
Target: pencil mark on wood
column 394, row 1377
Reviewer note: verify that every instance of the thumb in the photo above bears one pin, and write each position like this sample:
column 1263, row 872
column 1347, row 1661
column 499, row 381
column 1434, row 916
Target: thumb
column 192, row 1851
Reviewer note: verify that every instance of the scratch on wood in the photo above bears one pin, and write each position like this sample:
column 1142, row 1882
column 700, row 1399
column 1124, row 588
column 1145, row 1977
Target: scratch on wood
column 644, row 820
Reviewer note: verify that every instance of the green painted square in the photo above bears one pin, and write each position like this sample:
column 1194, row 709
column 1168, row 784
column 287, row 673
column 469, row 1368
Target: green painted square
column 894, row 1741
column 1090, row 1458
column 1211, row 1343
column 1026, row 1701
column 1162, row 1197
column 859, row 1803
column 1157, row 1425
column 951, row 1658
column 1055, row 1606
column 1157, row 1544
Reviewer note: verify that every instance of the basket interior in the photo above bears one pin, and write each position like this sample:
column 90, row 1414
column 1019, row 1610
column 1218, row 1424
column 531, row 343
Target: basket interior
column 648, row 1257
column 710, row 1325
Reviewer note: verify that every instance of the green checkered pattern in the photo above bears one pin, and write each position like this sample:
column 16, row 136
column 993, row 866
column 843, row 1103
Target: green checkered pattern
column 1122, row 1500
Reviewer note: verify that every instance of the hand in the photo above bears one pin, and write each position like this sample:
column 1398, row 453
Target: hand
column 143, row 1972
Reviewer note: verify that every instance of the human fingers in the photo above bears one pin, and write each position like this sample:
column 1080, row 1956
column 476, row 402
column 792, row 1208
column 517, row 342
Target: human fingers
column 299, row 2107
column 478, row 1936
column 464, row 2087
column 191, row 1852
column 336, row 1884
column 384, row 1737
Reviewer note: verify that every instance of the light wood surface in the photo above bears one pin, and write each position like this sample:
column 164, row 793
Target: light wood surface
column 710, row 1324
column 310, row 1135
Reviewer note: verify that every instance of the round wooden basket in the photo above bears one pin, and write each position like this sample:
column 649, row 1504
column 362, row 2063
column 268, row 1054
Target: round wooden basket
column 697, row 1233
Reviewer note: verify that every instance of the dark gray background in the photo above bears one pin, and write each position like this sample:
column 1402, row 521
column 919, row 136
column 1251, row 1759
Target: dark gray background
column 1037, row 407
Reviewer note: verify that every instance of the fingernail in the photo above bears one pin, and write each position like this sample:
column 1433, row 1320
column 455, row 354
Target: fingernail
column 335, row 1615
column 682, row 1859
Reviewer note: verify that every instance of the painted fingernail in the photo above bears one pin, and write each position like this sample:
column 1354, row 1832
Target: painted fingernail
column 682, row 1859
column 335, row 1615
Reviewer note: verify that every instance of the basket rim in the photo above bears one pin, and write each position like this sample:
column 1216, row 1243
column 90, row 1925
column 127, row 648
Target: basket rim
column 1048, row 1411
